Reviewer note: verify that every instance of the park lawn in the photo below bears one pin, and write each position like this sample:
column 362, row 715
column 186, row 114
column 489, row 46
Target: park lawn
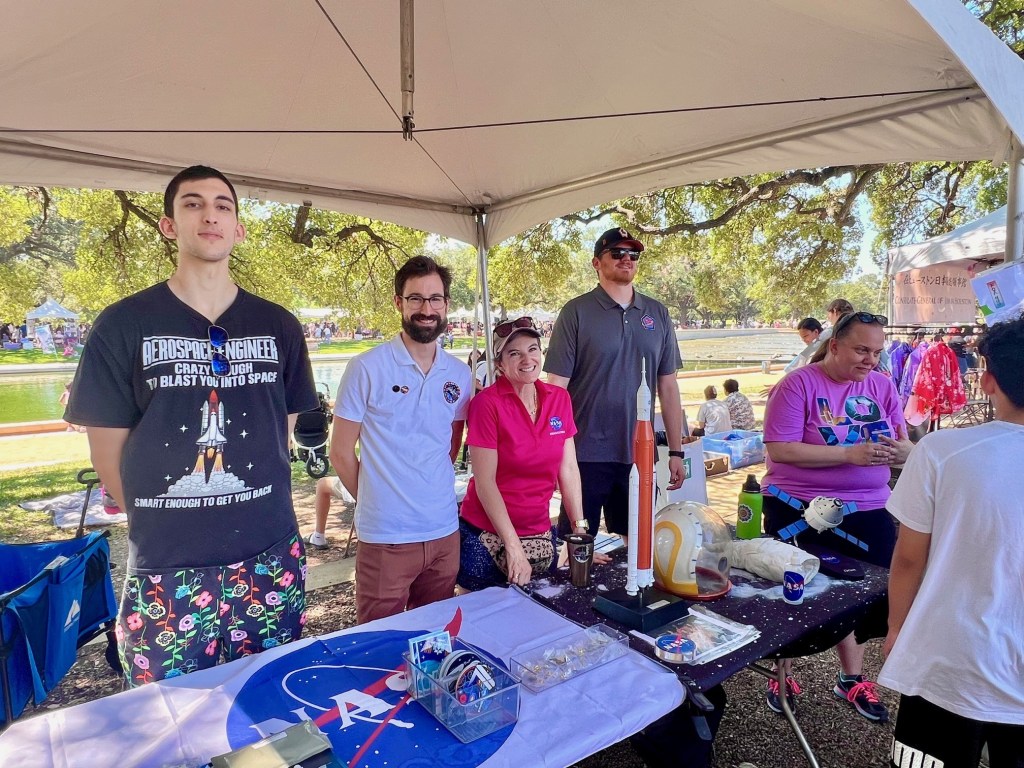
column 59, row 447
column 19, row 526
column 350, row 347
column 32, row 357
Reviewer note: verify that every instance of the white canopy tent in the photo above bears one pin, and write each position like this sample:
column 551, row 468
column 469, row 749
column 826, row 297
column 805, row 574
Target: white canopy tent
column 523, row 111
column 983, row 239
column 51, row 310
column 938, row 269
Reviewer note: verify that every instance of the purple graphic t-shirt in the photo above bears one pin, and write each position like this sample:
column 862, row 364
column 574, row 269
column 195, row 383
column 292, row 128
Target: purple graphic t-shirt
column 809, row 407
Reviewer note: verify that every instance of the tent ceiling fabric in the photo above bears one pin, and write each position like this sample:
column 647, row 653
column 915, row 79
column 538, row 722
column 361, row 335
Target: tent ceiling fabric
column 983, row 238
column 122, row 94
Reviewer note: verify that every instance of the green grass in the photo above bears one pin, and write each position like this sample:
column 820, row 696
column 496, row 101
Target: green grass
column 62, row 447
column 349, row 347
column 32, row 357
column 19, row 526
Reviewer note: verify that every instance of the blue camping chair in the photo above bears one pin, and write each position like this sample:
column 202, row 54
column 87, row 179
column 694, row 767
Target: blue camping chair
column 54, row 597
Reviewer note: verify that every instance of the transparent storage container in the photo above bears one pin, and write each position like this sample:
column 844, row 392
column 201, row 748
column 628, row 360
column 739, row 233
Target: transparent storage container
column 568, row 656
column 470, row 720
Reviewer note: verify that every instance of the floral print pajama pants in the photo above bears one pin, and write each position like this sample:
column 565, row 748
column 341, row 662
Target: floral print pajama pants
column 179, row 621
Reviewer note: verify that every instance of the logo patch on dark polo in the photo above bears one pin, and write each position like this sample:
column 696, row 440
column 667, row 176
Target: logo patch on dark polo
column 452, row 392
column 647, row 322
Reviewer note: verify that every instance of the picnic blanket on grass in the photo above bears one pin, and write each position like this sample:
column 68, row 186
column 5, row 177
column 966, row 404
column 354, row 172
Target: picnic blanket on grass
column 66, row 510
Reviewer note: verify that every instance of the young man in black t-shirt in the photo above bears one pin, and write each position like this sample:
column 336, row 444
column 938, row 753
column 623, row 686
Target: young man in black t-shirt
column 190, row 389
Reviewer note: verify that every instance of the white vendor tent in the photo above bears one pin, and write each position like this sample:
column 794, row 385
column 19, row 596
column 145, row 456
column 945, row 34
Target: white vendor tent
column 982, row 239
column 930, row 282
column 522, row 111
column 51, row 310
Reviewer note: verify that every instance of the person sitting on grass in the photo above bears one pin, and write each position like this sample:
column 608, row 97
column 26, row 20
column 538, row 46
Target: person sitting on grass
column 741, row 412
column 713, row 415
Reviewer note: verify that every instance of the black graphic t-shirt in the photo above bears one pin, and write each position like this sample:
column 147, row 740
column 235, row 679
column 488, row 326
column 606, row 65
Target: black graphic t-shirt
column 205, row 469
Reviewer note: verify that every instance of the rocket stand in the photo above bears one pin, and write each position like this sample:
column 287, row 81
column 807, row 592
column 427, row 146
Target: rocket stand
column 649, row 609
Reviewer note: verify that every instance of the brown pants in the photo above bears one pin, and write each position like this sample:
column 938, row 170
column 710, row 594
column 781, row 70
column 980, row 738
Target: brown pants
column 391, row 578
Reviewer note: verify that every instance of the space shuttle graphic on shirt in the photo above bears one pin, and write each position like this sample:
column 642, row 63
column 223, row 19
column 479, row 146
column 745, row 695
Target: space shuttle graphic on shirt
column 209, row 477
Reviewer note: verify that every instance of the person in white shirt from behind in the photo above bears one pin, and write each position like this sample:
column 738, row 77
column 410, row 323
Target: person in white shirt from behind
column 956, row 615
column 713, row 415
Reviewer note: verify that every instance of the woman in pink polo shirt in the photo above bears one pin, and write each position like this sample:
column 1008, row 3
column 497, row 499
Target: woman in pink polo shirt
column 520, row 439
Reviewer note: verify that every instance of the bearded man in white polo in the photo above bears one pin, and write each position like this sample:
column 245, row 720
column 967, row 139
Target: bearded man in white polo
column 404, row 403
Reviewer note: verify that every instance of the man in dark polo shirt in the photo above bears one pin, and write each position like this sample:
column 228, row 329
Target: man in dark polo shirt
column 595, row 352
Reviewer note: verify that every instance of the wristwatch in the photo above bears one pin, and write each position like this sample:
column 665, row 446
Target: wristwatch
column 580, row 524
column 676, row 455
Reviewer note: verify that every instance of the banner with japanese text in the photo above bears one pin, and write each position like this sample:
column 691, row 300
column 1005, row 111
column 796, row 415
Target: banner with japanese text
column 940, row 293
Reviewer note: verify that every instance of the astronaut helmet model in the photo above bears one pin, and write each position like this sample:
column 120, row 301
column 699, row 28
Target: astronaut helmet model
column 691, row 551
column 823, row 513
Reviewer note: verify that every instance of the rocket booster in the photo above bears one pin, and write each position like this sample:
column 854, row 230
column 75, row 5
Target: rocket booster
column 641, row 493
column 633, row 530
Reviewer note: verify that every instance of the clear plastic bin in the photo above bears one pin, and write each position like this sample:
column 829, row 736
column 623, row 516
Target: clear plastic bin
column 568, row 656
column 474, row 719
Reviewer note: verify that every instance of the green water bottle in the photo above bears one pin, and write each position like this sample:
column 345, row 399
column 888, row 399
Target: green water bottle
column 748, row 513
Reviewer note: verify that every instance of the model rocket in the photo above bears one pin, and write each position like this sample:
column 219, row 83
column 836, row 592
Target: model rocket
column 212, row 441
column 640, row 563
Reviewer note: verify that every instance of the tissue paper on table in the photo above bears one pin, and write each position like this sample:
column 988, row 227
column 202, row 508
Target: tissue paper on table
column 770, row 558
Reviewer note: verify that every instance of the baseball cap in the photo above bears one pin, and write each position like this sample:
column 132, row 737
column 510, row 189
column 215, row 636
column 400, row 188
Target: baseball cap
column 616, row 236
column 508, row 330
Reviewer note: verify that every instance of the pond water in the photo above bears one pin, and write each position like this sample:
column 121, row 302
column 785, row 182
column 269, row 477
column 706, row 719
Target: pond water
column 35, row 397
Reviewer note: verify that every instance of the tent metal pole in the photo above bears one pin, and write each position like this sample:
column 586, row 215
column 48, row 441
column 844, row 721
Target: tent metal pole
column 407, row 40
column 1015, row 203
column 485, row 293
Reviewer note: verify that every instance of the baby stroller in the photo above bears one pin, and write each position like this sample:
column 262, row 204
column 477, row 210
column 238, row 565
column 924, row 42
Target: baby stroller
column 55, row 596
column 312, row 431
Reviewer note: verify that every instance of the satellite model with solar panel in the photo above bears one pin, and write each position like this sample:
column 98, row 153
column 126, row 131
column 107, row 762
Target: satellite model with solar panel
column 821, row 513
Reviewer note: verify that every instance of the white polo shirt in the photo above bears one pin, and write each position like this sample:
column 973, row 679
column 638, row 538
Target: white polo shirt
column 406, row 479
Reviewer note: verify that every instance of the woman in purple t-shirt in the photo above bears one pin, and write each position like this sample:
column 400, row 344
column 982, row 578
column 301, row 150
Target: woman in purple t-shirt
column 833, row 428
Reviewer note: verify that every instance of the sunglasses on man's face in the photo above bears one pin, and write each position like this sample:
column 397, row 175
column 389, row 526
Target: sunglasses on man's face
column 864, row 317
column 219, row 363
column 502, row 330
column 621, row 253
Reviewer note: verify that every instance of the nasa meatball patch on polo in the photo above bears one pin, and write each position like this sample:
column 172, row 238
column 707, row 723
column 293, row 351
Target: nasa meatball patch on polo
column 354, row 688
column 452, row 392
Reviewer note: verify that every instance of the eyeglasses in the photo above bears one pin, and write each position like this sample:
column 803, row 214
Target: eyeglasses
column 621, row 253
column 416, row 302
column 219, row 363
column 864, row 317
column 503, row 330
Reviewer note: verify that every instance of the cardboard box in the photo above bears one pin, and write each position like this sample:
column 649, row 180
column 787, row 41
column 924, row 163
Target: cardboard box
column 715, row 463
column 743, row 446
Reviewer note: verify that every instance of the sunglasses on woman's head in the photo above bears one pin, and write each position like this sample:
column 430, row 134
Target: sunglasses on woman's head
column 864, row 317
column 219, row 363
column 502, row 330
